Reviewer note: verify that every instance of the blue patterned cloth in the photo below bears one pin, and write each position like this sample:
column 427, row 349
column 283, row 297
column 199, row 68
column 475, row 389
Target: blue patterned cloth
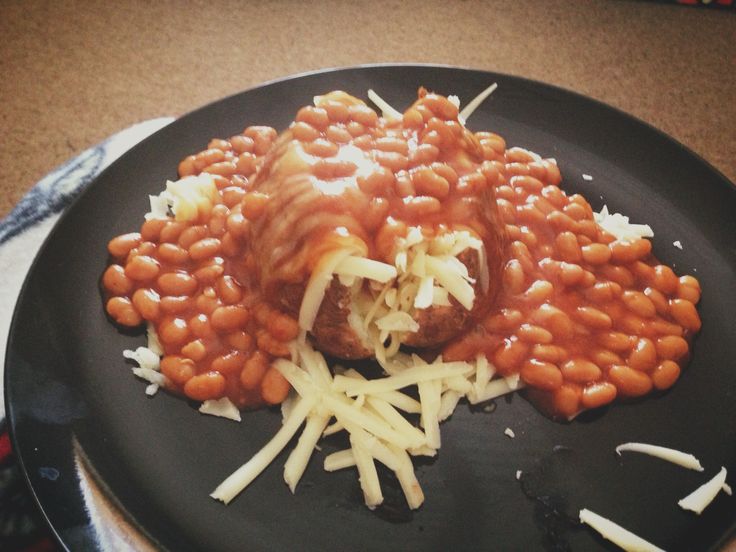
column 22, row 232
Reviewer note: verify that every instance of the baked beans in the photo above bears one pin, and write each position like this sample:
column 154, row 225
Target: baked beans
column 582, row 317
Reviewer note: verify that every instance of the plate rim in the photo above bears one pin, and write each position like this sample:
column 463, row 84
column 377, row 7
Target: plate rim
column 10, row 418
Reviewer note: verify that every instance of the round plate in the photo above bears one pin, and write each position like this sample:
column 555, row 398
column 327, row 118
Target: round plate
column 158, row 458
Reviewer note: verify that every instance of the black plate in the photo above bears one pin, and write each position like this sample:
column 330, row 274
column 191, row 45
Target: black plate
column 158, row 458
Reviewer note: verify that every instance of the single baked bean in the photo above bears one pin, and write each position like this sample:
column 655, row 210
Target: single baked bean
column 510, row 355
column 529, row 214
column 596, row 253
column 587, row 280
column 242, row 144
column 355, row 129
column 269, row 344
column 304, row 132
column 629, row 382
column 254, row 205
column 570, row 273
column 283, row 327
column 428, row 182
column 171, row 232
column 658, row 300
column 321, row 147
column 604, row 357
column 542, row 375
column 513, row 277
column 208, row 157
column 423, row 154
column 598, row 394
column 204, row 249
column 527, row 236
column 229, row 363
column 120, row 246
column 196, row 350
column 336, row 111
column 615, row 341
column 115, row 281
column 665, row 374
column 229, row 290
column 644, row 355
column 505, row 320
column 274, row 387
column 391, row 160
column 672, row 347
column 575, row 211
column 663, row 327
column 642, row 271
column 471, row 184
column 412, row 118
column 421, row 206
column 123, row 312
column 560, row 222
column 176, row 305
column 531, row 185
column 553, row 172
column 172, row 254
column 142, row 268
column 232, row 195
column 229, row 317
column 377, row 183
column 618, row 274
column 554, row 319
column 630, row 323
column 151, row 229
column 338, row 134
column 684, row 313
column 177, row 283
column 202, row 387
column 191, row 235
column 588, row 228
column 392, row 143
column 507, row 210
column 517, row 169
column 538, row 292
column 144, row 249
column 624, row 252
column 603, row 292
column 238, row 225
column 549, row 353
column 555, row 196
column 533, row 334
column 638, row 303
column 687, row 291
column 240, row 341
column 519, row 251
column 593, row 318
column 665, row 280
column 333, row 168
column 567, row 400
column 187, row 166
column 223, row 168
column 177, row 368
column 148, row 303
column 580, row 370
column 201, row 327
column 314, row 116
column 568, row 247
column 210, row 272
column 540, row 202
column 173, row 331
column 363, row 114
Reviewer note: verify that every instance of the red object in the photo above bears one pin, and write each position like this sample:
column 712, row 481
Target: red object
column 5, row 449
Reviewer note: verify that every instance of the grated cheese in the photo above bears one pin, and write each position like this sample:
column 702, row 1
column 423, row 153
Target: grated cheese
column 700, row 498
column 677, row 244
column 223, row 408
column 509, row 432
column 671, row 455
column 619, row 226
column 587, row 177
column 475, row 102
column 616, row 534
column 387, row 111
